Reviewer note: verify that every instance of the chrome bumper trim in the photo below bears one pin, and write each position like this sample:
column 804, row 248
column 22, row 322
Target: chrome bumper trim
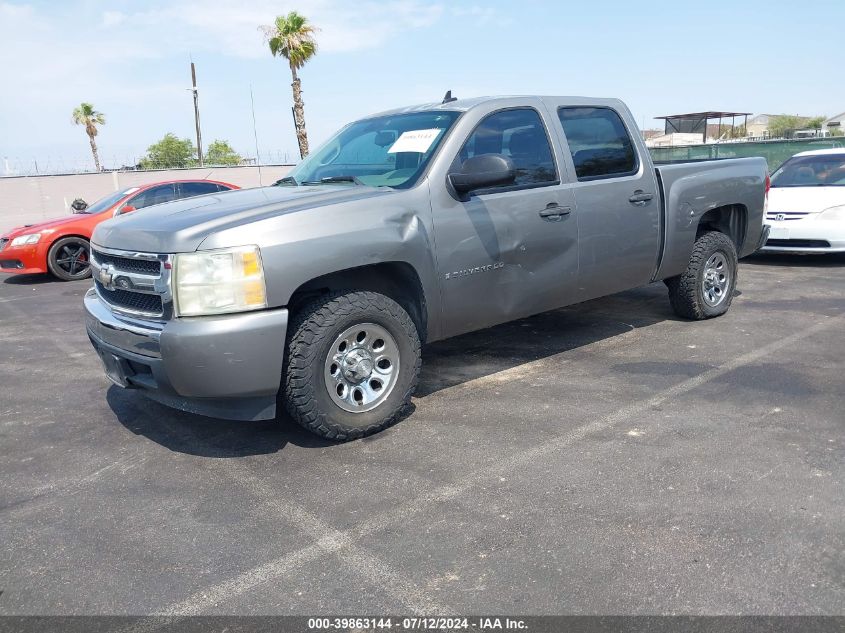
column 140, row 337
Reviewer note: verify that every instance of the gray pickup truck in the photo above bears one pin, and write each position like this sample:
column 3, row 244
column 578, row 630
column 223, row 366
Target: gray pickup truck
column 407, row 227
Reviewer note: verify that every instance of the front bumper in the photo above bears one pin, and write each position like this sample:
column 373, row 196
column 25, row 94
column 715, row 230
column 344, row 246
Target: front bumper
column 23, row 260
column 805, row 236
column 227, row 366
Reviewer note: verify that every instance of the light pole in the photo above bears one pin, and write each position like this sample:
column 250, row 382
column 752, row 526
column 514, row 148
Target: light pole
column 196, row 111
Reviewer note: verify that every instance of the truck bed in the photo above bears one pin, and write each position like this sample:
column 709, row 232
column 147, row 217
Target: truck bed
column 690, row 189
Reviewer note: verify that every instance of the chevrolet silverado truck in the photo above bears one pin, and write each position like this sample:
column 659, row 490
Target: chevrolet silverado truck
column 404, row 228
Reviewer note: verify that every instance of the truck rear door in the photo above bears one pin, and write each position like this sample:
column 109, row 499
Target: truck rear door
column 616, row 195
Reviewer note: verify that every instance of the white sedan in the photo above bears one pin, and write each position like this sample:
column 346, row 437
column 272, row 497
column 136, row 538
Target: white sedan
column 807, row 204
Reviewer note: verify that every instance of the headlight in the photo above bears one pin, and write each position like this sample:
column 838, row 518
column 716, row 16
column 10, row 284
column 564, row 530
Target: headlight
column 219, row 281
column 22, row 240
column 833, row 213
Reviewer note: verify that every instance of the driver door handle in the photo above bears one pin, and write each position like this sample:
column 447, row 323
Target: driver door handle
column 639, row 198
column 554, row 212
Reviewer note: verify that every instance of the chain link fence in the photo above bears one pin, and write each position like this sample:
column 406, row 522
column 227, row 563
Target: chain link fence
column 84, row 164
column 775, row 152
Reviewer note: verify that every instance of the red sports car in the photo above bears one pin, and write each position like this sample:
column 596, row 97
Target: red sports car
column 61, row 246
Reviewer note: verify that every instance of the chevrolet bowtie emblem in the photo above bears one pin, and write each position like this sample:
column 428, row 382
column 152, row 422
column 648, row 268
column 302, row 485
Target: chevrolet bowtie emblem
column 106, row 275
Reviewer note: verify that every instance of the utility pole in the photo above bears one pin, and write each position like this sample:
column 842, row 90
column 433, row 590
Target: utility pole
column 196, row 111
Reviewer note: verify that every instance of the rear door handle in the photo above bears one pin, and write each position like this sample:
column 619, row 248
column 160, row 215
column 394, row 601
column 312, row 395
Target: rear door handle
column 554, row 212
column 640, row 198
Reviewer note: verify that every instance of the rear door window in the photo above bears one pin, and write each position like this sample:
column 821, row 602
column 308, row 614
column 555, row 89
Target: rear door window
column 599, row 143
column 519, row 134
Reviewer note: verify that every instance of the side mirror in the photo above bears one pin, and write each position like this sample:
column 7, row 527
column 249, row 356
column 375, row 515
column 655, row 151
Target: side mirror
column 126, row 208
column 78, row 206
column 478, row 172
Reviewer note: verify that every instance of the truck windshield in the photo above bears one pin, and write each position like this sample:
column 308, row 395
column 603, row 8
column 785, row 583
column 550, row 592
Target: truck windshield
column 387, row 151
column 823, row 170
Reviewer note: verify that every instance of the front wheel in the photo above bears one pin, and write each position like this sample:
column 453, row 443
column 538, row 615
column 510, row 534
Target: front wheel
column 705, row 289
column 69, row 259
column 352, row 364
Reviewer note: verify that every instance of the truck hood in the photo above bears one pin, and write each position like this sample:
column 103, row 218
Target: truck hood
column 44, row 226
column 806, row 199
column 182, row 225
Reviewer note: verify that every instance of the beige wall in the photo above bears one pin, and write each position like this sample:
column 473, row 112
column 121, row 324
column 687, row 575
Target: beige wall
column 756, row 129
column 30, row 199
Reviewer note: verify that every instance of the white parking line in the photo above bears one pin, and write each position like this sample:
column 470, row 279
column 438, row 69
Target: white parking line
column 329, row 541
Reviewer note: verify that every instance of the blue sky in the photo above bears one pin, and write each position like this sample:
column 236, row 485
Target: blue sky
column 131, row 59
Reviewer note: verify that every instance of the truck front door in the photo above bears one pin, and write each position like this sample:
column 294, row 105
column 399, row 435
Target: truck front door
column 617, row 197
column 507, row 251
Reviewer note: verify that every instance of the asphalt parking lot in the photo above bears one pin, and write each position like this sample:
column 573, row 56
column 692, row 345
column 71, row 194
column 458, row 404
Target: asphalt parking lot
column 604, row 458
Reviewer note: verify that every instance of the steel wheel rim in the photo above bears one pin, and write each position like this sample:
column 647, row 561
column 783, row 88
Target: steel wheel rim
column 361, row 367
column 716, row 281
column 73, row 259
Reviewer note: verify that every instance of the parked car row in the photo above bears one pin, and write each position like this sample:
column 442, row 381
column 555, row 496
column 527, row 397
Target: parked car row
column 62, row 246
column 807, row 204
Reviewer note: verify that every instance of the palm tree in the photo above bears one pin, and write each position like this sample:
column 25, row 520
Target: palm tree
column 85, row 114
column 292, row 37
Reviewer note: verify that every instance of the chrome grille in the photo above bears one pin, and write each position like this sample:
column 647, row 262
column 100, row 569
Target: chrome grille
column 129, row 264
column 787, row 215
column 135, row 301
column 134, row 283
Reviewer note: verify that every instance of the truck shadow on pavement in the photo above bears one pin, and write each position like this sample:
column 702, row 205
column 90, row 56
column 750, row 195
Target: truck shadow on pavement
column 445, row 364
column 477, row 354
column 206, row 437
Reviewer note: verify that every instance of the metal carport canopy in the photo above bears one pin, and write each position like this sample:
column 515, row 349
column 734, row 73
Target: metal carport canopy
column 703, row 116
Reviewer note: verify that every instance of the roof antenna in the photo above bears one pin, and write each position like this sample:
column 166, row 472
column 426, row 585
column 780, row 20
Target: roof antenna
column 448, row 97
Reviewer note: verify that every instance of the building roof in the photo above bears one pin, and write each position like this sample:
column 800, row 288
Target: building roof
column 709, row 114
column 839, row 119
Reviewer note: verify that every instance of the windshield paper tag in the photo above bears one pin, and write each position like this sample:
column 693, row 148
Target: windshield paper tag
column 415, row 141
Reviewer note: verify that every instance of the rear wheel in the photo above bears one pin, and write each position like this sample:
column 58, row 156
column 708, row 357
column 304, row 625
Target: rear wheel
column 705, row 289
column 69, row 259
column 352, row 364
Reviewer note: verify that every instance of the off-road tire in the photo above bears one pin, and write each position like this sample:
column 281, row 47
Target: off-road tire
column 55, row 253
column 312, row 331
column 686, row 290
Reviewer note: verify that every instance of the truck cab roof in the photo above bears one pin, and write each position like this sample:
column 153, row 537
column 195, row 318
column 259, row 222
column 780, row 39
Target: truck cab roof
column 464, row 105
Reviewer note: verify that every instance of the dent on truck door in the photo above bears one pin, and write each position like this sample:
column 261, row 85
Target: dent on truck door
column 510, row 251
column 618, row 202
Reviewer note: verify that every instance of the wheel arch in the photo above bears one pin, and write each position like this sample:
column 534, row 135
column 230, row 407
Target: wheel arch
column 398, row 280
column 65, row 235
column 732, row 220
